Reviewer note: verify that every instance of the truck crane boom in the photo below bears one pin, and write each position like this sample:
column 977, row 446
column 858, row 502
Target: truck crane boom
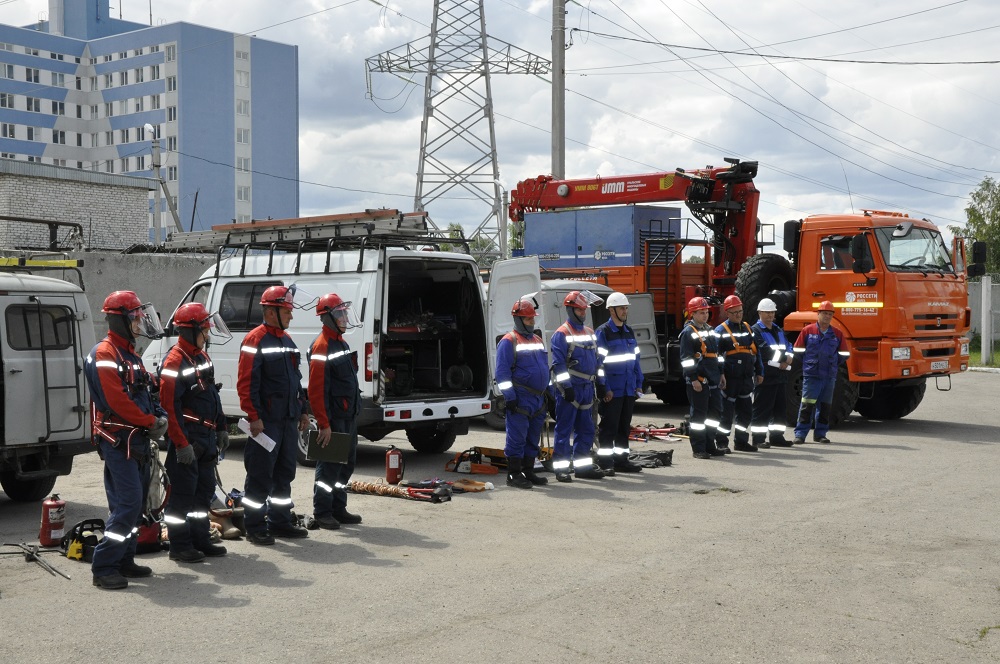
column 723, row 199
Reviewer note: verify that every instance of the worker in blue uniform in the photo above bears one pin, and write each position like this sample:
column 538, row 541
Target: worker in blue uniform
column 823, row 350
column 768, row 424
column 619, row 352
column 124, row 419
column 578, row 378
column 743, row 371
column 522, row 375
column 703, row 377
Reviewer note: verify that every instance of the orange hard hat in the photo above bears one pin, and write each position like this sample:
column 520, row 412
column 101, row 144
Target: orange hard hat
column 826, row 305
column 731, row 303
column 277, row 296
column 524, row 308
column 697, row 304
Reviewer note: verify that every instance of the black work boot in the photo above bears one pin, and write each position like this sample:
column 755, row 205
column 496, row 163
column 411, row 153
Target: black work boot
column 528, row 468
column 515, row 477
column 625, row 465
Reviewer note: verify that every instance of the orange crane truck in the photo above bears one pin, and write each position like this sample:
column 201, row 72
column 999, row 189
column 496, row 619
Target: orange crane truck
column 901, row 295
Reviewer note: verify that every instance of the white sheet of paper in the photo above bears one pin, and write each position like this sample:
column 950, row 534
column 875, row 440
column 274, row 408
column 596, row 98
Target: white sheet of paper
column 263, row 439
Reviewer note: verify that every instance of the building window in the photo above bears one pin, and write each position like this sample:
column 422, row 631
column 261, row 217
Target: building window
column 122, row 106
column 171, row 84
column 33, row 104
column 58, row 108
column 171, row 52
column 243, row 79
column 30, row 51
column 79, row 83
column 35, row 133
column 107, row 58
column 122, row 55
column 109, row 138
column 123, row 135
column 154, row 102
column 171, row 143
column 31, row 75
column 59, row 162
column 139, row 105
column 172, row 173
column 138, row 75
column 7, row 155
column 140, row 163
column 6, row 71
column 242, row 55
column 58, row 80
column 125, row 165
column 56, row 56
column 171, row 114
column 94, row 112
column 243, row 164
column 109, row 109
column 109, row 81
column 79, row 165
column 242, row 107
column 79, row 140
column 140, row 134
column 109, row 166
column 6, row 100
column 242, row 135
column 59, row 137
column 4, row 46
column 137, row 51
column 34, row 160
column 154, row 72
column 6, row 130
column 123, row 78
column 93, row 84
column 94, row 142
column 79, row 111
column 243, row 194
column 155, row 48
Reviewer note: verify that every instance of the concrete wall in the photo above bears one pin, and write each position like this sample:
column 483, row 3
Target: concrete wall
column 975, row 303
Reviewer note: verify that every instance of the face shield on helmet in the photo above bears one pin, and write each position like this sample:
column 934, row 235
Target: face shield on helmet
column 145, row 322
column 194, row 316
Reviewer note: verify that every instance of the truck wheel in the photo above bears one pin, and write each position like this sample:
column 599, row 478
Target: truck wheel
column 495, row 419
column 430, row 440
column 891, row 403
column 26, row 491
column 760, row 275
column 301, row 453
column 845, row 396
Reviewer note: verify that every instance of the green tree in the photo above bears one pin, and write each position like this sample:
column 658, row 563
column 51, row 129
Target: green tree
column 694, row 259
column 456, row 232
column 983, row 221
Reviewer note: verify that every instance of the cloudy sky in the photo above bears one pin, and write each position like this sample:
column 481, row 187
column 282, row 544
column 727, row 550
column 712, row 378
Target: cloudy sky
column 853, row 109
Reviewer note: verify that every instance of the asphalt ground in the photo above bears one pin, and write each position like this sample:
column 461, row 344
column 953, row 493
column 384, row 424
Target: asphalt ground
column 880, row 547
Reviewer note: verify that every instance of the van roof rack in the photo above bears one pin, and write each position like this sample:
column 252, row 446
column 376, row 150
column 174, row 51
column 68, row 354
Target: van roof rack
column 308, row 233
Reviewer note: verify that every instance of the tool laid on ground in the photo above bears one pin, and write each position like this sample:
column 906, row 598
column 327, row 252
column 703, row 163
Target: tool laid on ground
column 81, row 540
column 32, row 555
column 438, row 493
column 472, row 461
column 653, row 432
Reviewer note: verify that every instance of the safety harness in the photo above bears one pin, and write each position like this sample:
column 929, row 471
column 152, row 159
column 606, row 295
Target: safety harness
column 697, row 334
column 516, row 339
column 737, row 347
column 100, row 419
column 572, row 341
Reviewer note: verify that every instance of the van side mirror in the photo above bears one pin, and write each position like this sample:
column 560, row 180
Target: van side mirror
column 861, row 254
column 791, row 240
column 979, row 252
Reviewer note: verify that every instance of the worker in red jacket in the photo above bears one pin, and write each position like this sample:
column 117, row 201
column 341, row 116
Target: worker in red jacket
column 197, row 431
column 124, row 419
column 336, row 402
column 269, row 384
column 822, row 348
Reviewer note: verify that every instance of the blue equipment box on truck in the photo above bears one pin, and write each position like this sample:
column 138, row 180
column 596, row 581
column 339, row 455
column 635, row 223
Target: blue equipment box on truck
column 597, row 237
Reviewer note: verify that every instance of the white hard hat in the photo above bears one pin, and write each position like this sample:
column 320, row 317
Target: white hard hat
column 767, row 304
column 617, row 300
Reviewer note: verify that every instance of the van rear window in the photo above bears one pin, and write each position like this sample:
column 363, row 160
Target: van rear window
column 28, row 327
column 240, row 304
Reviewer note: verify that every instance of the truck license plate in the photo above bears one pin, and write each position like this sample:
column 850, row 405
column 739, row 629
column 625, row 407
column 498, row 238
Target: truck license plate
column 940, row 364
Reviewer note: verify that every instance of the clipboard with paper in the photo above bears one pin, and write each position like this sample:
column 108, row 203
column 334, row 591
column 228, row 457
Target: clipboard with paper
column 338, row 450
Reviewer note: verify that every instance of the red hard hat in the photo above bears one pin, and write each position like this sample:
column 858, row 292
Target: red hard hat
column 329, row 303
column 576, row 300
column 731, row 302
column 826, row 305
column 697, row 304
column 121, row 302
column 523, row 308
column 276, row 296
column 192, row 314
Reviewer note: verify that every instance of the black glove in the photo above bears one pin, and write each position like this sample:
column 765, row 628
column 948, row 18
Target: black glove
column 185, row 454
column 569, row 394
column 158, row 429
column 601, row 390
column 222, row 441
column 511, row 405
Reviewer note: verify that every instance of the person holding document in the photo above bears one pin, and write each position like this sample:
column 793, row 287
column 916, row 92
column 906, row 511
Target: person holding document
column 269, row 384
column 336, row 402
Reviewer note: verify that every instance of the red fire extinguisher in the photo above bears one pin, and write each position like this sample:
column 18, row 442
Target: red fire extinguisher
column 53, row 521
column 393, row 465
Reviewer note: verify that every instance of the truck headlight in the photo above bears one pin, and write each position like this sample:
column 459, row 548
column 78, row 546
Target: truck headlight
column 965, row 348
column 901, row 353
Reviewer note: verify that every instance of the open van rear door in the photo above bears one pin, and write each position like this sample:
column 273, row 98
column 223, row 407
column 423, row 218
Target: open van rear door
column 642, row 320
column 509, row 280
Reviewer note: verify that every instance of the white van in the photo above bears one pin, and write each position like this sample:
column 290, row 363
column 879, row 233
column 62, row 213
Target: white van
column 423, row 359
column 47, row 332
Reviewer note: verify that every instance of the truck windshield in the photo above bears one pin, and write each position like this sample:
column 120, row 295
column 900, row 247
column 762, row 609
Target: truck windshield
column 919, row 250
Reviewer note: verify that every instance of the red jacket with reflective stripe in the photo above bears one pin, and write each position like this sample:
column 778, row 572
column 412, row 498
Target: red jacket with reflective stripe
column 333, row 379
column 186, row 384
column 269, row 382
column 105, row 359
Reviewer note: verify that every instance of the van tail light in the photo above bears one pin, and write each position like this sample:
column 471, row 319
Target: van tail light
column 368, row 362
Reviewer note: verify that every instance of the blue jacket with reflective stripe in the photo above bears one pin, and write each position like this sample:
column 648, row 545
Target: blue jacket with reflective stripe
column 619, row 353
column 522, row 361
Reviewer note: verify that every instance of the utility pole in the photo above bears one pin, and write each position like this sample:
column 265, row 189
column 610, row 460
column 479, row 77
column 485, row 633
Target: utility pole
column 156, row 195
column 559, row 89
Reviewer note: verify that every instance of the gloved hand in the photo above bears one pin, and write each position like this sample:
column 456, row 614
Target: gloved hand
column 569, row 394
column 158, row 429
column 222, row 441
column 185, row 454
column 601, row 390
